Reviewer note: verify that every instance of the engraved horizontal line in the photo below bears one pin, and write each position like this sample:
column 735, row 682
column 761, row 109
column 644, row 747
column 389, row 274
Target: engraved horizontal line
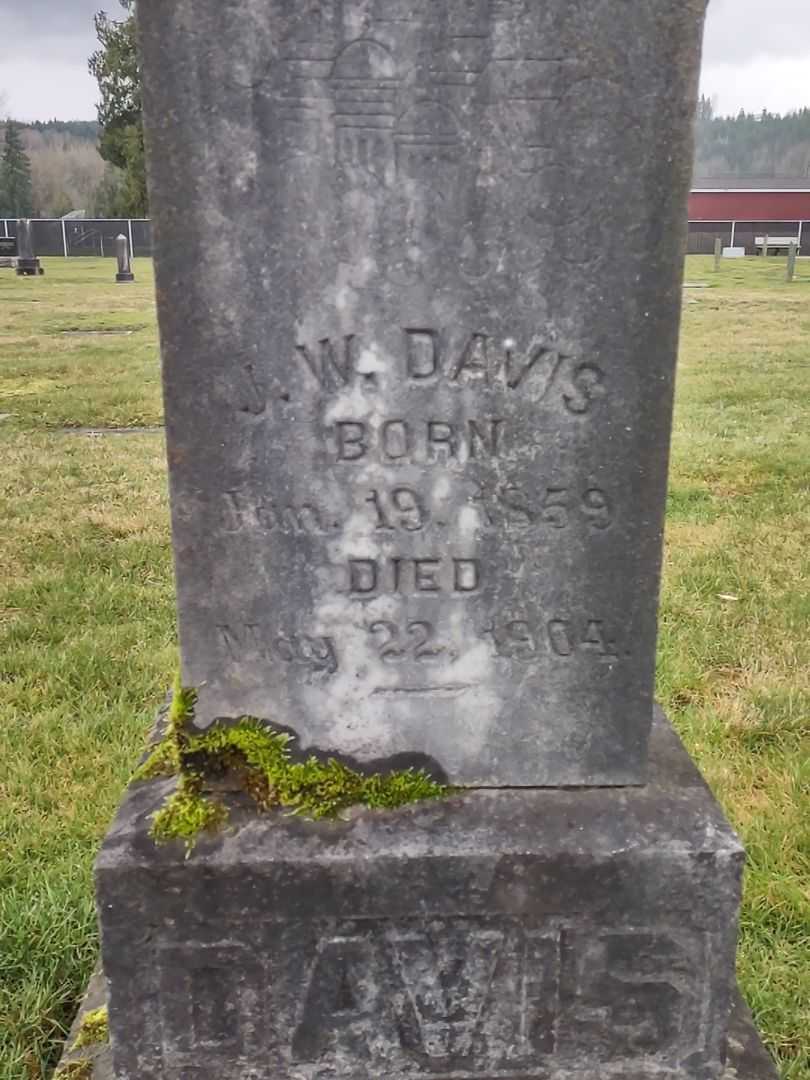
column 352, row 123
column 530, row 59
column 381, row 103
column 344, row 101
column 360, row 84
column 427, row 140
column 449, row 690
column 344, row 119
column 364, row 93
column 346, row 105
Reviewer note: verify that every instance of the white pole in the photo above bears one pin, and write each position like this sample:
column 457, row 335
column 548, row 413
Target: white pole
column 5, row 228
column 800, row 236
column 733, row 231
column 64, row 238
column 131, row 245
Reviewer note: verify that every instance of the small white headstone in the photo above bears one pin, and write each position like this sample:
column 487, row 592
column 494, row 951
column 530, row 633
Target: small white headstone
column 734, row 253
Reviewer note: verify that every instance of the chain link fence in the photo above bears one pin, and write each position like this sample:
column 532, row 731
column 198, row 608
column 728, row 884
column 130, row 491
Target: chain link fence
column 85, row 236
column 96, row 236
column 702, row 235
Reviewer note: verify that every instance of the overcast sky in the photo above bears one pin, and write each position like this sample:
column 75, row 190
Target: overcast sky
column 757, row 56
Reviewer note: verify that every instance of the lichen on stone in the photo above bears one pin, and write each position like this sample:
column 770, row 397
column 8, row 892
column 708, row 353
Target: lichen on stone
column 93, row 1029
column 75, row 1070
column 262, row 762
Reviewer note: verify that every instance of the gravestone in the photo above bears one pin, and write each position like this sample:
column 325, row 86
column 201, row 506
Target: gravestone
column 28, row 265
column 417, row 418
column 793, row 252
column 442, row 405
column 124, row 274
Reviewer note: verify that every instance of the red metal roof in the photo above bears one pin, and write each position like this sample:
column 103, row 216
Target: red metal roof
column 749, row 205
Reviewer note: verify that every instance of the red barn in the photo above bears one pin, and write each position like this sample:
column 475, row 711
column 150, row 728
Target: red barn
column 740, row 209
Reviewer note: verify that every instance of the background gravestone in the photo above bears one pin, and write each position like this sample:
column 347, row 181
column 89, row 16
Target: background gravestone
column 124, row 274
column 28, row 265
column 430, row 522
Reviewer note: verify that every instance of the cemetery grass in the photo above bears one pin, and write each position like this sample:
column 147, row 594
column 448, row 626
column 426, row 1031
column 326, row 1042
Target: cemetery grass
column 87, row 623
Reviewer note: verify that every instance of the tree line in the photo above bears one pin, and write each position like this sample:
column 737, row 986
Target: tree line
column 752, row 144
column 50, row 168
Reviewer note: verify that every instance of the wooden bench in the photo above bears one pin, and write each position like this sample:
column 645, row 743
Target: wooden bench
column 776, row 244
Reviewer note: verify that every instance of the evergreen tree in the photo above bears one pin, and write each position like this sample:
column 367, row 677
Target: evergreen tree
column 16, row 192
column 115, row 67
column 752, row 144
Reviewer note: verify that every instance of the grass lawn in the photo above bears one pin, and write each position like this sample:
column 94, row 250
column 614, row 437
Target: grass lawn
column 87, row 625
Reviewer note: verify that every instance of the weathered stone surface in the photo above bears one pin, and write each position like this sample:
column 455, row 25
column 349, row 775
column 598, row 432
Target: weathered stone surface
column 124, row 274
column 418, row 402
column 526, row 933
column 99, row 1054
column 747, row 1057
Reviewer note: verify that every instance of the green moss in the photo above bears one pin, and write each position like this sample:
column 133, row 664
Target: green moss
column 164, row 760
column 187, row 813
column 75, row 1070
column 93, row 1029
column 261, row 759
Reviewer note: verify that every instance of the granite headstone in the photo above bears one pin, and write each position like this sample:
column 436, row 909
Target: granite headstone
column 124, row 274
column 418, row 412
column 28, row 265
column 418, row 505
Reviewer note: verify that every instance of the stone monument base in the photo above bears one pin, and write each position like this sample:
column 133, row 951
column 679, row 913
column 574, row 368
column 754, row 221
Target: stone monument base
column 29, row 268
column 747, row 1057
column 515, row 934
